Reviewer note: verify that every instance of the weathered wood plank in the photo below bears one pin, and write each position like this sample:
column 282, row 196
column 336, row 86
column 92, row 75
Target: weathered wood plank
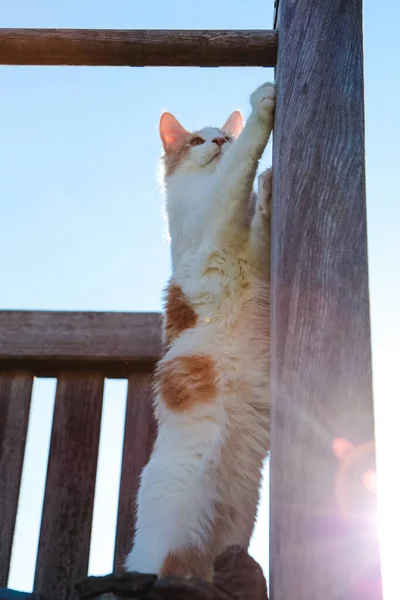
column 50, row 341
column 321, row 357
column 64, row 542
column 15, row 400
column 138, row 48
column 140, row 429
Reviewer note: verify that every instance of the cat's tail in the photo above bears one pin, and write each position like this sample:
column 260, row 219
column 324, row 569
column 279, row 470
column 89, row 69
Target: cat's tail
column 177, row 500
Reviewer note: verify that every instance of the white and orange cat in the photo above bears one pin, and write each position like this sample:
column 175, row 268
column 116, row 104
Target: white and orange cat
column 199, row 491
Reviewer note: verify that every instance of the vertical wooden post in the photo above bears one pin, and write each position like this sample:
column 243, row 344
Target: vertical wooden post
column 15, row 403
column 64, row 543
column 140, row 430
column 321, row 359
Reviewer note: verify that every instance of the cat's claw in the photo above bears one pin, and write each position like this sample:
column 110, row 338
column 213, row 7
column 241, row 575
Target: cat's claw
column 262, row 100
column 264, row 196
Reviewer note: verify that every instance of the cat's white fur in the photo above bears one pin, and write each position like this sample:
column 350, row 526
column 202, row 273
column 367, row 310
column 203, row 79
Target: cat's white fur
column 200, row 488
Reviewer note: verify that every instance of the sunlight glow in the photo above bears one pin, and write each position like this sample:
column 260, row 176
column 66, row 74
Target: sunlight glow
column 388, row 502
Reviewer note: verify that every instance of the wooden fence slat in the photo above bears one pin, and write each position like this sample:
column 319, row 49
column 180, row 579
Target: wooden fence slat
column 320, row 356
column 49, row 342
column 15, row 400
column 138, row 48
column 64, row 542
column 139, row 435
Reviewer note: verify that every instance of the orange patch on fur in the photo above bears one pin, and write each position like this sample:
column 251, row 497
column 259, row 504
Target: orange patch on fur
column 187, row 562
column 179, row 313
column 186, row 380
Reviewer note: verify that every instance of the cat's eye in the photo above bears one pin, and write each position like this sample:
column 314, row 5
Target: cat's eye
column 196, row 141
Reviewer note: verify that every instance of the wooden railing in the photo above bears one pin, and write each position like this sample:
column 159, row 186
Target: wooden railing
column 80, row 350
column 138, row 48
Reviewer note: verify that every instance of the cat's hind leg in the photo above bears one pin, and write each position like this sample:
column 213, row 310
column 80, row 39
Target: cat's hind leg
column 264, row 196
column 240, row 474
column 176, row 500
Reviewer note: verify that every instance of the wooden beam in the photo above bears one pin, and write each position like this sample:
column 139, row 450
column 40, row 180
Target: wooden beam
column 64, row 543
column 15, row 402
column 321, row 547
column 138, row 48
column 140, row 432
column 47, row 342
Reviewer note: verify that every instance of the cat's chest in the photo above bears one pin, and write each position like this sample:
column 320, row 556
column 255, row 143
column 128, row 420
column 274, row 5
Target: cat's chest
column 217, row 279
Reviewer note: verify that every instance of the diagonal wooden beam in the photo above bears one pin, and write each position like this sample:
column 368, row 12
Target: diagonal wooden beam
column 138, row 48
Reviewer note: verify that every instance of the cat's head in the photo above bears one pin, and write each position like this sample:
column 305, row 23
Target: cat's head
column 191, row 152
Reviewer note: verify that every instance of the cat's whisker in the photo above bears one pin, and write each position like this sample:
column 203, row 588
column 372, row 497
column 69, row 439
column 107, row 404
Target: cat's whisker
column 151, row 194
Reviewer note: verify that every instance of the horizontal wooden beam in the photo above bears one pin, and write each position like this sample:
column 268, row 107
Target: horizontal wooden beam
column 138, row 48
column 47, row 342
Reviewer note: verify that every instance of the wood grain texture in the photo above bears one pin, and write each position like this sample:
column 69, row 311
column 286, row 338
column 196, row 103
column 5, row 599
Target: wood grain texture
column 140, row 430
column 321, row 356
column 48, row 342
column 15, row 400
column 138, row 48
column 64, row 542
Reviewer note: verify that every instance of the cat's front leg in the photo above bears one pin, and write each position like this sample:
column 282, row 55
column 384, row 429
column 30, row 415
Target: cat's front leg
column 239, row 165
column 262, row 213
column 260, row 228
column 235, row 176
column 262, row 101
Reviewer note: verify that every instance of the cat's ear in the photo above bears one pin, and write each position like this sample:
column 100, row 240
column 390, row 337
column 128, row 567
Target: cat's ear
column 234, row 123
column 341, row 447
column 171, row 132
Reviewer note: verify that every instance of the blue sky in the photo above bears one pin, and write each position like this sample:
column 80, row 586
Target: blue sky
column 81, row 212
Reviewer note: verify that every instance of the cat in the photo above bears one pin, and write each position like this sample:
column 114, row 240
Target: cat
column 199, row 491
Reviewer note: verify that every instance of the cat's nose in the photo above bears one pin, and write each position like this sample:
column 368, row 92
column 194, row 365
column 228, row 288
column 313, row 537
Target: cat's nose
column 219, row 141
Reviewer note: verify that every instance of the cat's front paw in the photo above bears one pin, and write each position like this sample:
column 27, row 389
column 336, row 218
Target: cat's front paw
column 263, row 100
column 264, row 196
